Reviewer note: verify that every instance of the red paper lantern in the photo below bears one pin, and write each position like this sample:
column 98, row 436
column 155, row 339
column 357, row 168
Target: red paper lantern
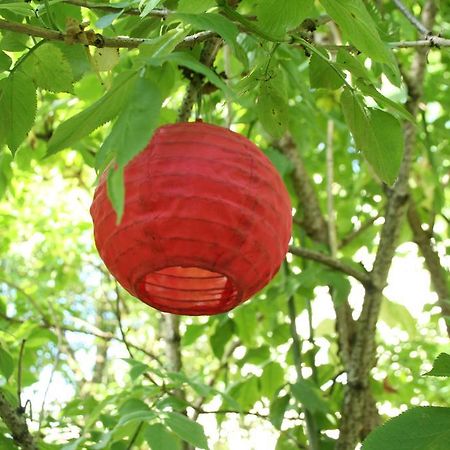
column 206, row 225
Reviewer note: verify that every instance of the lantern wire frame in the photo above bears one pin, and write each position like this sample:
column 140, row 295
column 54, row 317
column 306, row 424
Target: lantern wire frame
column 193, row 286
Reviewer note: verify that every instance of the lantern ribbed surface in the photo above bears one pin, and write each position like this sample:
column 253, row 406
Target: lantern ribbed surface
column 206, row 225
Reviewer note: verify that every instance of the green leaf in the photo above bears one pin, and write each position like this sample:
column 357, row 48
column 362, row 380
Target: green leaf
column 141, row 415
column 277, row 410
column 21, row 9
column 221, row 336
column 159, row 437
column 17, row 108
column 6, row 363
column 5, row 170
column 134, row 125
column 116, row 191
column 377, row 134
column 271, row 379
column 394, row 314
column 100, row 112
column 245, row 319
column 441, row 366
column 218, row 23
column 5, row 62
column 76, row 56
column 186, row 429
column 150, row 5
column 49, row 69
column 279, row 19
column 106, row 20
column 193, row 332
column 322, row 75
column 162, row 45
column 246, row 393
column 371, row 91
column 13, row 42
column 195, row 6
column 39, row 337
column 346, row 61
column 272, row 108
column 310, row 396
column 186, row 60
column 424, row 428
column 357, row 24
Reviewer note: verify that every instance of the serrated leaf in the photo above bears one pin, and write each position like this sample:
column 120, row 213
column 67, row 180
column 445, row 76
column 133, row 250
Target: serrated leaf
column 277, row 410
column 310, row 396
column 159, row 437
column 322, row 75
column 272, row 108
column 100, row 112
column 280, row 19
column 6, row 363
column 441, row 366
column 49, row 69
column 377, row 134
column 424, row 428
column 186, row 429
column 5, row 61
column 77, row 58
column 134, row 125
column 17, row 107
column 116, row 191
column 218, row 23
column 357, row 24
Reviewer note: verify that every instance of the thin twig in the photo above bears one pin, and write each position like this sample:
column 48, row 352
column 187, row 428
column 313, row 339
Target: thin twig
column 119, row 320
column 311, row 426
column 50, row 380
column 411, row 17
column 355, row 233
column 19, row 373
column 94, row 39
column 331, row 213
column 16, row 424
column 135, row 435
column 334, row 263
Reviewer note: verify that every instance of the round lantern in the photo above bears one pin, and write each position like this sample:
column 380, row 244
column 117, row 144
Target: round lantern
column 206, row 225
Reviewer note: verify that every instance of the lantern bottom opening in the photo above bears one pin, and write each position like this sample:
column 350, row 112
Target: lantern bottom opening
column 188, row 290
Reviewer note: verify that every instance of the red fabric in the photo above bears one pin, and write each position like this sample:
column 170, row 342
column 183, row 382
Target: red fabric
column 206, row 225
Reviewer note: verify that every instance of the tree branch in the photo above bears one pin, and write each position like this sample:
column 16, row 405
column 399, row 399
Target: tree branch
column 109, row 7
column 311, row 425
column 17, row 424
column 331, row 262
column 207, row 58
column 363, row 353
column 94, row 39
column 437, row 272
column 311, row 215
column 411, row 17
